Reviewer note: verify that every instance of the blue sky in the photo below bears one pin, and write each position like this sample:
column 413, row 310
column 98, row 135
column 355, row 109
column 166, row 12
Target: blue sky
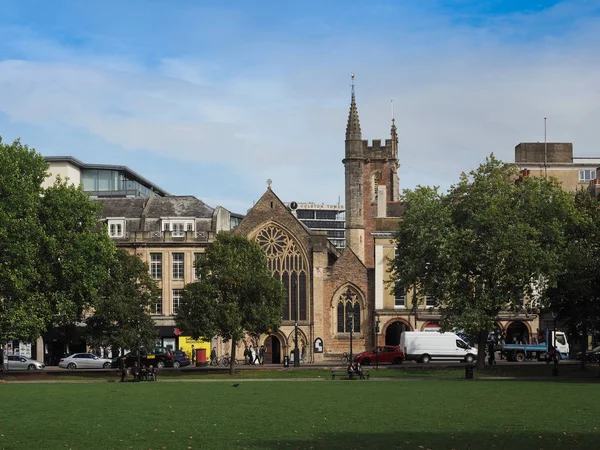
column 213, row 98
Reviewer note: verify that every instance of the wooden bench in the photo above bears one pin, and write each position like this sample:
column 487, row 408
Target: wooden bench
column 343, row 374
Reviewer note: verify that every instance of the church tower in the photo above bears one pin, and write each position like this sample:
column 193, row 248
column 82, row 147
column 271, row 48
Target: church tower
column 353, row 165
column 371, row 173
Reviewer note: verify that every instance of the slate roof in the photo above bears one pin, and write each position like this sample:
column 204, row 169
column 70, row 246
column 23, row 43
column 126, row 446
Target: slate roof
column 179, row 206
column 122, row 207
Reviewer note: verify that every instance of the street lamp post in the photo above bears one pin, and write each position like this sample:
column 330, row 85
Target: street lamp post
column 294, row 301
column 351, row 320
column 555, row 364
column 377, row 343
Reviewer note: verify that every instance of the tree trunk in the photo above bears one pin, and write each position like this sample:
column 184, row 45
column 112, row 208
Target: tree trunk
column 583, row 349
column 232, row 359
column 481, row 350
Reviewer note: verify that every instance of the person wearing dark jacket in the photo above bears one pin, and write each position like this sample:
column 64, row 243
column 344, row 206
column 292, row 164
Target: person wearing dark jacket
column 123, row 367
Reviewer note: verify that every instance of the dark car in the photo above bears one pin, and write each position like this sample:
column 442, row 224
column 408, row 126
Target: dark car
column 384, row 354
column 159, row 357
column 180, row 359
column 592, row 355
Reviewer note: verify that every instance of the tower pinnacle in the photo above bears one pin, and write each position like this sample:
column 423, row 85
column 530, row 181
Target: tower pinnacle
column 353, row 132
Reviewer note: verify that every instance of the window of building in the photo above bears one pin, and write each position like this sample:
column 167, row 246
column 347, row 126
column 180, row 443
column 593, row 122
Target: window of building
column 178, row 226
column 157, row 306
column 116, row 228
column 399, row 299
column 429, row 301
column 156, row 266
column 197, row 257
column 287, row 264
column 326, row 215
column 178, row 266
column 348, row 312
column 587, row 175
column 177, row 299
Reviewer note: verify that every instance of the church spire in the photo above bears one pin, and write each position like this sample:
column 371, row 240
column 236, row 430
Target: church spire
column 394, row 133
column 353, row 132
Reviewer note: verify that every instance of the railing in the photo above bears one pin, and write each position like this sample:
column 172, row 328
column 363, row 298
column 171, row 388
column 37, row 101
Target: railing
column 166, row 236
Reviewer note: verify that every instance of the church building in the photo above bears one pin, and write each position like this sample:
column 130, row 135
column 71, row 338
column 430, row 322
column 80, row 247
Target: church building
column 330, row 291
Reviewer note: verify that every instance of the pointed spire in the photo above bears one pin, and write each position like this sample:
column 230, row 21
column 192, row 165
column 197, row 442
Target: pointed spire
column 353, row 128
column 394, row 132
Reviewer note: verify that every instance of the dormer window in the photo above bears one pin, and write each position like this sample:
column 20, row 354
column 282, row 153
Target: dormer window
column 178, row 226
column 116, row 228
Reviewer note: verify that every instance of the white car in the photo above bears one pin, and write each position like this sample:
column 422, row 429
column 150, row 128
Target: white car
column 84, row 361
column 21, row 363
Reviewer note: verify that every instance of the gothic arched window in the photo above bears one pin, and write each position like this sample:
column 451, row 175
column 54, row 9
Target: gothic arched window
column 348, row 312
column 286, row 263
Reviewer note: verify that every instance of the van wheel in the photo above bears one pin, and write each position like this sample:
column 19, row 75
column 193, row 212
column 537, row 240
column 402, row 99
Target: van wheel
column 160, row 364
column 397, row 360
column 519, row 357
column 469, row 359
column 425, row 359
column 176, row 364
column 366, row 361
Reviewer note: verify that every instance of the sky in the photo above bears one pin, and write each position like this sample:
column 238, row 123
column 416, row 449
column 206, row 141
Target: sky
column 212, row 98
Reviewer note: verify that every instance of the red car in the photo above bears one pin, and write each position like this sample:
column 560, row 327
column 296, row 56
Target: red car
column 386, row 354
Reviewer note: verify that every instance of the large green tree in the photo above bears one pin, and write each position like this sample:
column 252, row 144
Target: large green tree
column 235, row 293
column 576, row 297
column 54, row 256
column 121, row 315
column 23, row 311
column 478, row 249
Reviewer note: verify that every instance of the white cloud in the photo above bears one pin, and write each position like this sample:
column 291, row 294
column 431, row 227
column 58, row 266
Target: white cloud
column 460, row 93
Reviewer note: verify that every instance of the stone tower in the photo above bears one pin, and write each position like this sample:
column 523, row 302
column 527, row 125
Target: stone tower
column 367, row 169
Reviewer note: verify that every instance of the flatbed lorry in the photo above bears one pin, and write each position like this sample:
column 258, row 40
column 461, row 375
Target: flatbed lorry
column 540, row 351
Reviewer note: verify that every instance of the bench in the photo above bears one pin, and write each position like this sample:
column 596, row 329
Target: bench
column 343, row 374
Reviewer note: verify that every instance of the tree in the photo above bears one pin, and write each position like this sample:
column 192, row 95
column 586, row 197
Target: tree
column 121, row 316
column 53, row 254
column 483, row 246
column 576, row 297
column 235, row 293
column 23, row 312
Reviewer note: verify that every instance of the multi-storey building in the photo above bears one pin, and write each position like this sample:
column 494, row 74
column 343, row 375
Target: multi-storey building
column 169, row 234
column 101, row 180
column 321, row 217
column 556, row 160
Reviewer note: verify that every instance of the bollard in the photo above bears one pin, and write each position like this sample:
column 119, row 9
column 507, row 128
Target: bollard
column 469, row 372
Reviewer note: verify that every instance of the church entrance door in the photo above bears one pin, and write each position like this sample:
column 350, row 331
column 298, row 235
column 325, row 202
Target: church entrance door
column 273, row 346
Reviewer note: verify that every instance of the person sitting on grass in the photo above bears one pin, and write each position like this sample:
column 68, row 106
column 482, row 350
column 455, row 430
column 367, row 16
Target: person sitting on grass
column 135, row 371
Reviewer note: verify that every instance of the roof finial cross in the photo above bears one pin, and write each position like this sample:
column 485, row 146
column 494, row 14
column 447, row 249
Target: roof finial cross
column 269, row 181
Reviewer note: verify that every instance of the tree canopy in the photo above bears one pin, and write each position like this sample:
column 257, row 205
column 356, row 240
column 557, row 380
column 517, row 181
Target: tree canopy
column 121, row 315
column 576, row 297
column 483, row 246
column 53, row 255
column 235, row 293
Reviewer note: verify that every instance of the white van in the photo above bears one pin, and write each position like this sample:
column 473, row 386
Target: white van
column 423, row 346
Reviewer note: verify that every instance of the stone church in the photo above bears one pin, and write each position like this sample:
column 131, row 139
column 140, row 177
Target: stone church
column 330, row 292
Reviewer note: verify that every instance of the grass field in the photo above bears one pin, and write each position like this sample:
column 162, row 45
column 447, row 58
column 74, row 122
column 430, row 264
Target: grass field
column 412, row 414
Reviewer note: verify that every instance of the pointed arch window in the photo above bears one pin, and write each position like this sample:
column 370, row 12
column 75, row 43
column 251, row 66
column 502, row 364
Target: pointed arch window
column 348, row 312
column 287, row 263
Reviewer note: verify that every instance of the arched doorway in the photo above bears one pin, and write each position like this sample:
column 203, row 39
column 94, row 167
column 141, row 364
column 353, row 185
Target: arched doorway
column 393, row 332
column 273, row 346
column 517, row 333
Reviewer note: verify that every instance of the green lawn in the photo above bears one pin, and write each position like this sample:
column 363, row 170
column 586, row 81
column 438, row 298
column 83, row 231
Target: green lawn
column 412, row 414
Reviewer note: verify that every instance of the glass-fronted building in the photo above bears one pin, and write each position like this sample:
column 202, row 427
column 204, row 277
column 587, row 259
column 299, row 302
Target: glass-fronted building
column 101, row 180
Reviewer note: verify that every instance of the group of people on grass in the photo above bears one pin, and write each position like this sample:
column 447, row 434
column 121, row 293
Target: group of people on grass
column 139, row 373
column 355, row 369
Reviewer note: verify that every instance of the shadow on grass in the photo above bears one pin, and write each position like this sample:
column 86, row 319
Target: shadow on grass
column 505, row 439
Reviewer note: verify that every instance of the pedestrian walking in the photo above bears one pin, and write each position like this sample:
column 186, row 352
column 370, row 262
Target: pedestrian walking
column 262, row 355
column 123, row 367
column 213, row 356
column 193, row 355
column 246, row 355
